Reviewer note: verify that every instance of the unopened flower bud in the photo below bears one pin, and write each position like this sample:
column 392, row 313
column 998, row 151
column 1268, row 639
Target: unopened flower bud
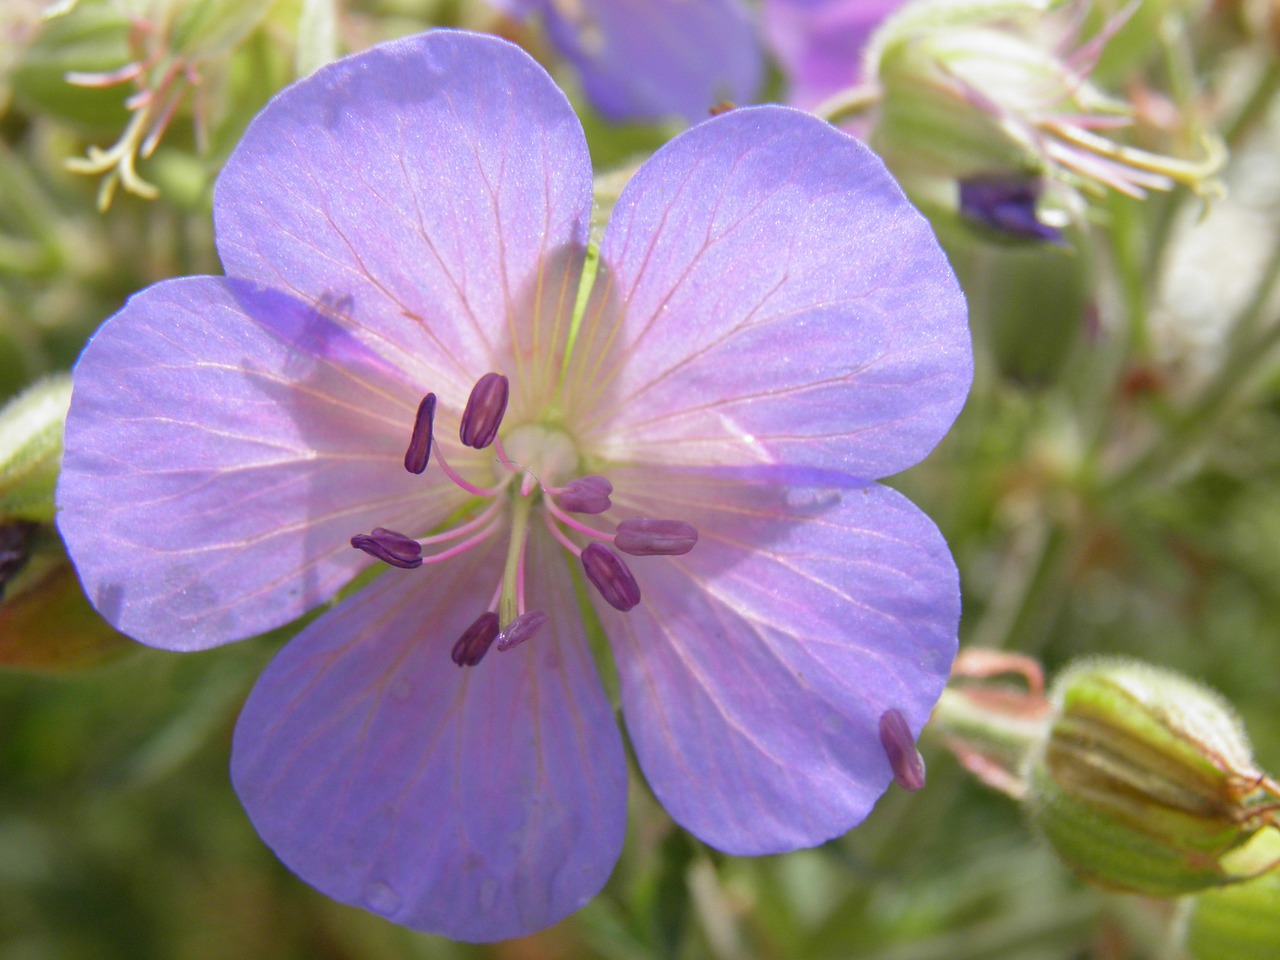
column 976, row 93
column 1146, row 783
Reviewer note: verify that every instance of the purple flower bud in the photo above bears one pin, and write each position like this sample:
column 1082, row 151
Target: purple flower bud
column 475, row 640
column 900, row 748
column 483, row 414
column 586, row 495
column 419, row 452
column 610, row 576
column 390, row 547
column 521, row 629
column 646, row 537
column 1006, row 204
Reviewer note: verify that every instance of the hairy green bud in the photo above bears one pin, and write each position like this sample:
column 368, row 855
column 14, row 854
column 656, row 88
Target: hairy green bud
column 1147, row 783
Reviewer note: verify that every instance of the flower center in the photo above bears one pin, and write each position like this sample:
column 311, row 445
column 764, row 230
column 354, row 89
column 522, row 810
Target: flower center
column 535, row 481
column 543, row 451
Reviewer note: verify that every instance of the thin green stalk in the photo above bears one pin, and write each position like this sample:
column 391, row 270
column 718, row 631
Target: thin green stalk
column 1256, row 106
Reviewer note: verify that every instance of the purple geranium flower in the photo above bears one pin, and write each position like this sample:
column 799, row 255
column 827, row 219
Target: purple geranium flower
column 392, row 370
column 820, row 43
column 653, row 59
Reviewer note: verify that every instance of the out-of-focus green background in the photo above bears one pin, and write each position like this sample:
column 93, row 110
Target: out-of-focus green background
column 1113, row 487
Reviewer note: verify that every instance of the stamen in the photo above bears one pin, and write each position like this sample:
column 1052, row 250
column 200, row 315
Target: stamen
column 483, row 413
column 130, row 71
column 463, row 546
column 480, row 520
column 557, row 534
column 521, row 629
column 900, row 748
column 585, row 495
column 390, row 547
column 419, row 452
column 475, row 640
column 553, row 509
column 646, row 537
column 610, row 576
column 501, row 452
column 462, row 482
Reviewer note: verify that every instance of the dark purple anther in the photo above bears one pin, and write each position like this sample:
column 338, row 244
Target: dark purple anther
column 586, row 495
column 900, row 748
column 1007, row 204
column 483, row 414
column 390, row 547
column 419, row 452
column 521, row 629
column 645, row 537
column 610, row 576
column 475, row 640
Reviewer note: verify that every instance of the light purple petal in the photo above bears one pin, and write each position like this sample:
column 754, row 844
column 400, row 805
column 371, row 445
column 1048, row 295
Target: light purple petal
column 422, row 188
column 651, row 59
column 223, row 445
column 479, row 803
column 820, row 43
column 756, row 668
column 781, row 302
column 517, row 8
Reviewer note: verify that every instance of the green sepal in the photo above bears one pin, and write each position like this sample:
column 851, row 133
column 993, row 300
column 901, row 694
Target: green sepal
column 1237, row 922
column 31, row 449
column 203, row 29
column 90, row 38
column 925, row 124
column 46, row 622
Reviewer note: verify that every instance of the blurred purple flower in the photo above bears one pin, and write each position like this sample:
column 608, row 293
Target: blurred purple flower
column 819, row 43
column 772, row 328
column 653, row 59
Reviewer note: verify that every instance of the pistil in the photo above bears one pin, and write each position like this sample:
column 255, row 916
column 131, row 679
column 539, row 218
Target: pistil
column 511, row 604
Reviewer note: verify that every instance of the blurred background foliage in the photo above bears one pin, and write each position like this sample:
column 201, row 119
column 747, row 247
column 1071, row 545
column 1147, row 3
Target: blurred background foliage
column 1113, row 487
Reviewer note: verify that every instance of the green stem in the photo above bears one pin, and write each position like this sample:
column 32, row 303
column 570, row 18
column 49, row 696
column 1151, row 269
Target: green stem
column 1255, row 108
column 997, row 734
